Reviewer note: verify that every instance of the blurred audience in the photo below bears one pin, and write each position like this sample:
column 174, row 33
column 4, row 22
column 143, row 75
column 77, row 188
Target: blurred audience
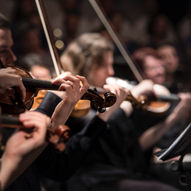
column 150, row 65
column 176, row 72
column 160, row 30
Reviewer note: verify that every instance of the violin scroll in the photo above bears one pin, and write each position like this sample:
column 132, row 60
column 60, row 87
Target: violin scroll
column 59, row 136
column 100, row 98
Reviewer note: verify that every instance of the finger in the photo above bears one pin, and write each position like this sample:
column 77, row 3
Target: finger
column 58, row 81
column 74, row 80
column 36, row 123
column 61, row 77
column 39, row 132
column 84, row 82
column 62, row 84
column 22, row 88
column 67, row 86
column 32, row 115
column 10, row 70
column 110, row 88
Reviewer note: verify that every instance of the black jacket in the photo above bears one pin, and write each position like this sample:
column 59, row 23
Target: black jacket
column 56, row 165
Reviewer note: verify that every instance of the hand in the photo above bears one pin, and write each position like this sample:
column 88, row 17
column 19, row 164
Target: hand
column 9, row 79
column 23, row 148
column 21, row 143
column 144, row 87
column 183, row 110
column 121, row 95
column 7, row 57
column 74, row 86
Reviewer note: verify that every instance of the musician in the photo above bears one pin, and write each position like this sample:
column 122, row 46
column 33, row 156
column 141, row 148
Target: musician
column 51, row 163
column 22, row 148
column 8, row 79
column 120, row 153
column 161, row 66
column 176, row 72
column 152, row 64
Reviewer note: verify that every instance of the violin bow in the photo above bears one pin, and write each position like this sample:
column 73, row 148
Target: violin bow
column 49, row 36
column 56, row 59
column 118, row 43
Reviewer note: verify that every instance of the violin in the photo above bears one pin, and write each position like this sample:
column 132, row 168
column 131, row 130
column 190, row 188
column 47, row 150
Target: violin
column 157, row 103
column 97, row 101
column 163, row 98
column 15, row 105
column 57, row 137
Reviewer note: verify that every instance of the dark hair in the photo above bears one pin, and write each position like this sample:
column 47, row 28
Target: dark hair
column 4, row 23
column 163, row 44
column 140, row 54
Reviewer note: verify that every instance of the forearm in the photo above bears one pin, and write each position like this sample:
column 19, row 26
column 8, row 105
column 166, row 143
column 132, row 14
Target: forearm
column 13, row 165
column 151, row 136
column 62, row 112
column 10, row 170
column 7, row 172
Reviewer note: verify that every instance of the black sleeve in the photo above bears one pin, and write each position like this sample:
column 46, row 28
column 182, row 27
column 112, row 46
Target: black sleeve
column 62, row 165
column 48, row 104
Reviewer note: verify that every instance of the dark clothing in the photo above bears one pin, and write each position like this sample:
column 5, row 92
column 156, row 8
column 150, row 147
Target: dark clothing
column 132, row 185
column 56, row 165
column 28, row 181
column 116, row 156
column 113, row 156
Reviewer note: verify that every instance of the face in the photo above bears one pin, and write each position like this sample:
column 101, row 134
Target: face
column 7, row 56
column 154, row 70
column 98, row 76
column 169, row 55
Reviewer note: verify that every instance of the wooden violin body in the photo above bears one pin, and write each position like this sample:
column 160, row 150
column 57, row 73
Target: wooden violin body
column 157, row 103
column 14, row 104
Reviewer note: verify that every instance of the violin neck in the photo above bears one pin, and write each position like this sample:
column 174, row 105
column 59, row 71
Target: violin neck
column 9, row 121
column 169, row 98
column 40, row 84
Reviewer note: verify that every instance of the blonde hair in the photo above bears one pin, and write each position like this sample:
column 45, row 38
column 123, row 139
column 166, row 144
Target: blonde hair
column 85, row 52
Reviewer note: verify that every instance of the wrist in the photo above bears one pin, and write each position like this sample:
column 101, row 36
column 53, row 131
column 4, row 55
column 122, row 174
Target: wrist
column 62, row 112
column 9, row 164
column 170, row 120
column 104, row 116
column 127, row 108
column 68, row 102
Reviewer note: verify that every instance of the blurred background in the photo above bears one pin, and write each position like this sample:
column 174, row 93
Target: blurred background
column 138, row 23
